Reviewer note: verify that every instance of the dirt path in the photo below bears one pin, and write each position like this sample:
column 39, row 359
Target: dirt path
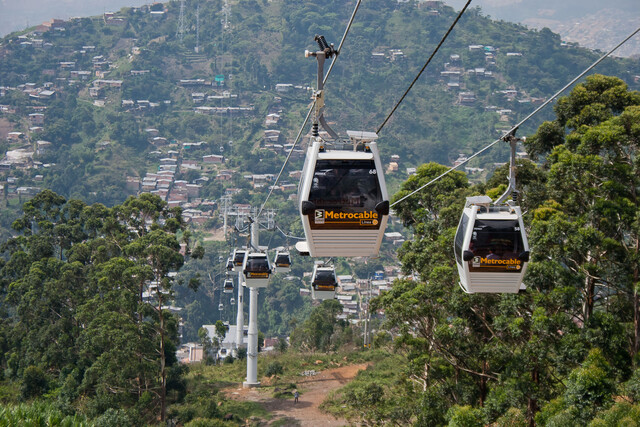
column 313, row 391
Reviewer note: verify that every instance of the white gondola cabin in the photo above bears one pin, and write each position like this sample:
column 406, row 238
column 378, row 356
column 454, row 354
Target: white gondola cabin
column 227, row 288
column 230, row 265
column 491, row 247
column 343, row 199
column 256, row 270
column 232, row 301
column 282, row 262
column 220, row 307
column 238, row 259
column 323, row 282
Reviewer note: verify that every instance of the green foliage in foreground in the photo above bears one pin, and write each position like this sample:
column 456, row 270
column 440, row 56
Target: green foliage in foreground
column 84, row 323
column 39, row 414
column 563, row 353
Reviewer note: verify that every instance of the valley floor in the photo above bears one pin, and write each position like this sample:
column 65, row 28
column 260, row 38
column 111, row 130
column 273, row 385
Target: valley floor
column 313, row 390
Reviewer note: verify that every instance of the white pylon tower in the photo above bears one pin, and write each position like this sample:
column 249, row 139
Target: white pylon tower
column 240, row 314
column 252, row 345
column 180, row 31
column 197, row 48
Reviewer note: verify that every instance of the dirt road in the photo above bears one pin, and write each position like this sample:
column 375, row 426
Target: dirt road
column 313, row 390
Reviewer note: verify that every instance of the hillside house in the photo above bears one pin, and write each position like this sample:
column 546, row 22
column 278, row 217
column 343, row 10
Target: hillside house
column 224, row 175
column 42, row 147
column 36, row 119
column 194, row 190
column 378, row 57
column 159, row 141
column 272, row 119
column 190, row 164
column 133, row 183
column 81, row 74
column 191, row 82
column 396, row 55
column 271, row 136
column 213, row 158
column 20, row 156
column 260, row 180
column 284, row 87
column 194, row 145
column 96, row 92
column 46, row 95
column 466, row 98
column 117, row 84
column 15, row 136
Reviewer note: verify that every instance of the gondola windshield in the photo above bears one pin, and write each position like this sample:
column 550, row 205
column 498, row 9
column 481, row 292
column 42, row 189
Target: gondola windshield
column 324, row 277
column 348, row 185
column 497, row 245
column 257, row 265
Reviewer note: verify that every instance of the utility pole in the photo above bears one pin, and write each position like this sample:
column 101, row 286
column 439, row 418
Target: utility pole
column 197, row 48
column 252, row 347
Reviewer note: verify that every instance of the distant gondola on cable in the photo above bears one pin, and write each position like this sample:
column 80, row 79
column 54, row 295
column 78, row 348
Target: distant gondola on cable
column 238, row 258
column 230, row 265
column 282, row 262
column 343, row 199
column 256, row 270
column 220, row 307
column 232, row 301
column 323, row 282
column 227, row 288
column 490, row 245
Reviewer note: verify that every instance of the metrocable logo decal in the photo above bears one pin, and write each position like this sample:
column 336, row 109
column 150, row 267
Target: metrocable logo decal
column 363, row 218
column 510, row 263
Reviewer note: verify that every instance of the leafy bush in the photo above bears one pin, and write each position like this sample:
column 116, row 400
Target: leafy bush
column 113, row 417
column 274, row 368
column 34, row 382
column 464, row 416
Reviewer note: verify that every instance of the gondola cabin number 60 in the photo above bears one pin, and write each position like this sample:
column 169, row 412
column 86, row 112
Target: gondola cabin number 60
column 344, row 204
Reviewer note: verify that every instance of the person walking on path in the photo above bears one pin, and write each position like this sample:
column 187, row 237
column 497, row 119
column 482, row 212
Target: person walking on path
column 295, row 396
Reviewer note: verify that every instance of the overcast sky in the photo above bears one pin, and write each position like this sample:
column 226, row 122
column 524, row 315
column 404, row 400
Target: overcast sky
column 19, row 14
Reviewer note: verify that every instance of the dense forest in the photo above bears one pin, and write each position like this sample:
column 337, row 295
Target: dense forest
column 88, row 272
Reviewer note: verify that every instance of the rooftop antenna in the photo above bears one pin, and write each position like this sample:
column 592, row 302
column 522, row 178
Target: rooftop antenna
column 180, row 32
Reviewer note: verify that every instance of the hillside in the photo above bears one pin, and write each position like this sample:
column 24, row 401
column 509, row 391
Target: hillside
column 100, row 290
column 105, row 107
column 126, row 91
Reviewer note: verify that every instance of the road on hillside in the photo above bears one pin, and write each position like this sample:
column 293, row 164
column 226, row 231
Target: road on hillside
column 313, row 390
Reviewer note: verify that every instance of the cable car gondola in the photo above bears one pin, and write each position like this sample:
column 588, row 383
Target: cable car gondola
column 228, row 286
column 491, row 247
column 220, row 307
column 230, row 265
column 238, row 258
column 343, row 199
column 232, row 301
column 256, row 270
column 323, row 282
column 282, row 262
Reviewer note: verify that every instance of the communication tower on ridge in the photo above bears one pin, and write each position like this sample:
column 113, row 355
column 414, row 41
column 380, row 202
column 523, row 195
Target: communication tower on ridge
column 180, row 31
